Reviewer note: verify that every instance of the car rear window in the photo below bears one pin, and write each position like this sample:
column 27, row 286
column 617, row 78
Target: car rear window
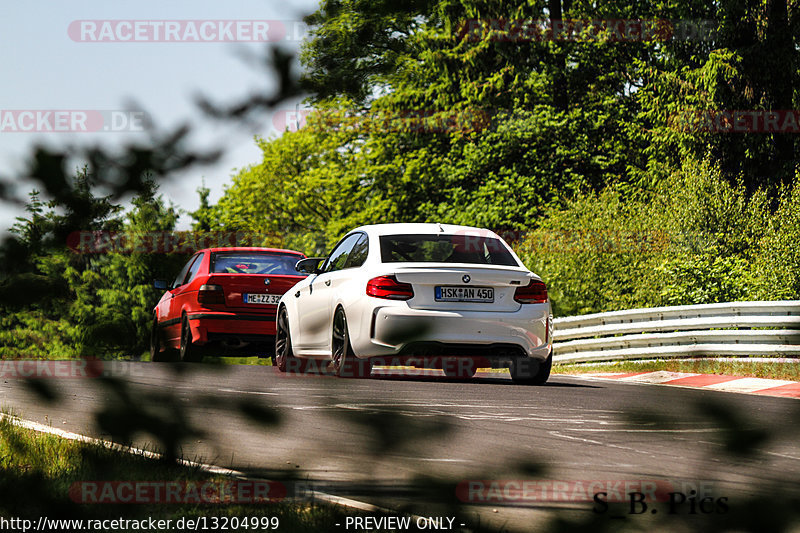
column 254, row 263
column 436, row 248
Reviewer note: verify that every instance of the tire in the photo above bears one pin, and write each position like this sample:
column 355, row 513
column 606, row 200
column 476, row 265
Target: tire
column 524, row 373
column 344, row 362
column 284, row 357
column 158, row 352
column 189, row 352
column 459, row 368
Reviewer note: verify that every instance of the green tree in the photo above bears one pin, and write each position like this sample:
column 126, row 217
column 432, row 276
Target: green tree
column 754, row 64
column 115, row 296
column 205, row 215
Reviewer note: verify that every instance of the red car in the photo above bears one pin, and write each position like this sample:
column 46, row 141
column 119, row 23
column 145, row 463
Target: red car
column 223, row 298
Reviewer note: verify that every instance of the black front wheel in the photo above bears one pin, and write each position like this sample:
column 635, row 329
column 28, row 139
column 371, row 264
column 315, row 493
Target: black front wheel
column 343, row 360
column 284, row 357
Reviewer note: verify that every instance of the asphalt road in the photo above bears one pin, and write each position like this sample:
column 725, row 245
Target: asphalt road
column 390, row 439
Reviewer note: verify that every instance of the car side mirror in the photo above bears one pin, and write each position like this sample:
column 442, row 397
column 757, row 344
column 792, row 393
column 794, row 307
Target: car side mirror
column 162, row 284
column 309, row 265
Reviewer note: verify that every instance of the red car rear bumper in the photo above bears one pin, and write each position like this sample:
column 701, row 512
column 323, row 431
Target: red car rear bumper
column 204, row 323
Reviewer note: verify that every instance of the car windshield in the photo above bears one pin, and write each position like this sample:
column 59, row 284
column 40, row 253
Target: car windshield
column 254, row 263
column 438, row 248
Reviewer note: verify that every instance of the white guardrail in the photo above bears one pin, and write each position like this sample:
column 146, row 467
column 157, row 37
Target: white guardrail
column 722, row 329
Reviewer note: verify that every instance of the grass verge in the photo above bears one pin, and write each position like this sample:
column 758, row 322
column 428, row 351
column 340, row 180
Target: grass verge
column 41, row 475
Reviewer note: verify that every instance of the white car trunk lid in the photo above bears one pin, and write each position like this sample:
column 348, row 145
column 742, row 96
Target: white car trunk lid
column 449, row 287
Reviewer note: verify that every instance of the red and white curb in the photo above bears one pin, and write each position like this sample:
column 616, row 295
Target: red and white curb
column 766, row 387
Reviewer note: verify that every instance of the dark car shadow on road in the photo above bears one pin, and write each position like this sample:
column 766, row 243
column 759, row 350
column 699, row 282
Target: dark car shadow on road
column 477, row 380
column 437, row 376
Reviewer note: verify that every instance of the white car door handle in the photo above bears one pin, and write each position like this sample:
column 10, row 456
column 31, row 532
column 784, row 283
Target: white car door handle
column 327, row 283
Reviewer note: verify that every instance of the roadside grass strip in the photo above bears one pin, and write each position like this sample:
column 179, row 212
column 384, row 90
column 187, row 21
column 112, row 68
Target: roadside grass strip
column 45, row 471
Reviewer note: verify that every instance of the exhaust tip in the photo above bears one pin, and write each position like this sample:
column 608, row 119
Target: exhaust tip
column 233, row 343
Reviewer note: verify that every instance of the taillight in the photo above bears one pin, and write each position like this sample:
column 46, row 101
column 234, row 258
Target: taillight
column 534, row 292
column 389, row 288
column 211, row 294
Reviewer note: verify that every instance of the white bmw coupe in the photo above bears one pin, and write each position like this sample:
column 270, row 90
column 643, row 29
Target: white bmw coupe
column 424, row 295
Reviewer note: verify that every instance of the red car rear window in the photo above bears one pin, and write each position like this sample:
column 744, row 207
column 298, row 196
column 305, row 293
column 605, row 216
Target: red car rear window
column 254, row 263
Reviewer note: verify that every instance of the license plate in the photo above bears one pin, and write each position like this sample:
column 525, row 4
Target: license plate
column 256, row 298
column 464, row 294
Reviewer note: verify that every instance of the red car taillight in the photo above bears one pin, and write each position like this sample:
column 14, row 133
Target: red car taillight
column 534, row 292
column 389, row 288
column 211, row 294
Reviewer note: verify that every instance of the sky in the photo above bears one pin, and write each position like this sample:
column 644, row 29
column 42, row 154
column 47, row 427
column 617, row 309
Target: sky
column 51, row 64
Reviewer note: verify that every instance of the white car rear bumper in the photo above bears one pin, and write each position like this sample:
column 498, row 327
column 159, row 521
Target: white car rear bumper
column 394, row 329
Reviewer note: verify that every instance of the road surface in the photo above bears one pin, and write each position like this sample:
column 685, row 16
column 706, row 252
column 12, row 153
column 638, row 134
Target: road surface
column 405, row 440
